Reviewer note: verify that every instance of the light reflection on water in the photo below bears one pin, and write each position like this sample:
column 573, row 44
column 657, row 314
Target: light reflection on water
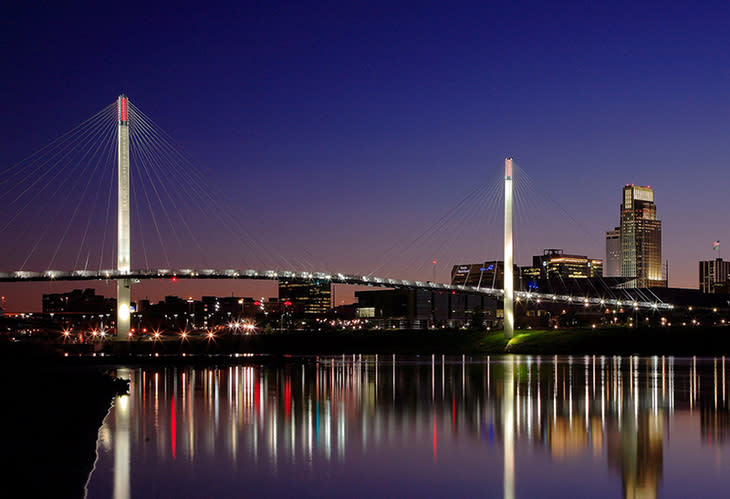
column 432, row 426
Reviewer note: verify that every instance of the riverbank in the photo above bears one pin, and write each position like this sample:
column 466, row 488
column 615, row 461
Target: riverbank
column 50, row 419
column 616, row 341
column 609, row 341
column 276, row 347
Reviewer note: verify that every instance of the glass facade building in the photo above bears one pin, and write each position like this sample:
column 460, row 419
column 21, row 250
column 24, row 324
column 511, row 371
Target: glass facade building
column 314, row 296
column 612, row 267
column 641, row 238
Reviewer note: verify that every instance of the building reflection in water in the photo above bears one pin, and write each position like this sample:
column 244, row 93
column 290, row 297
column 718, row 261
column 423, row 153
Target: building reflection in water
column 326, row 412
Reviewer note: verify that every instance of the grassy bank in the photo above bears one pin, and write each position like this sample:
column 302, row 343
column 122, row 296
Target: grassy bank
column 614, row 341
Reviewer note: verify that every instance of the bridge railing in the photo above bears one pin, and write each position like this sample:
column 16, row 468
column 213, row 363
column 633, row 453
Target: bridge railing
column 337, row 278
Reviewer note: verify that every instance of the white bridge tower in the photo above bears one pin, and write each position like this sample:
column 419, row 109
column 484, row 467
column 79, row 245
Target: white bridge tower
column 509, row 292
column 123, row 261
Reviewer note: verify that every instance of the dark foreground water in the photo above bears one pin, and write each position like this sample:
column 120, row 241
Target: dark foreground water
column 368, row 426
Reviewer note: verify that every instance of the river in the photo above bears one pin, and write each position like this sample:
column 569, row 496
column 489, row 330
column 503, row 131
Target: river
column 428, row 426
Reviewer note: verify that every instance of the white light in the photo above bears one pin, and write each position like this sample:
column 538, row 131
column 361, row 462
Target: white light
column 124, row 312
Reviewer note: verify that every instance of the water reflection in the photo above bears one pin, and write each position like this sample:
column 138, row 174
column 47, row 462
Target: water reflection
column 506, row 426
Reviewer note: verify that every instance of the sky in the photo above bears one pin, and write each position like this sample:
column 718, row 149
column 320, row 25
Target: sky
column 335, row 134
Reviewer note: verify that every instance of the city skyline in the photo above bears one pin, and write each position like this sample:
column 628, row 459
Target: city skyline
column 347, row 131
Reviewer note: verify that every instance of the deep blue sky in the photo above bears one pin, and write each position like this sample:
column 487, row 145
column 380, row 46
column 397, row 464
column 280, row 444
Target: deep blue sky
column 336, row 129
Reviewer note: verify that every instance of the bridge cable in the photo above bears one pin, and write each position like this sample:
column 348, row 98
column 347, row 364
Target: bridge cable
column 53, row 144
column 84, row 144
column 196, row 182
column 83, row 193
column 156, row 166
column 187, row 174
column 444, row 219
column 101, row 166
column 133, row 155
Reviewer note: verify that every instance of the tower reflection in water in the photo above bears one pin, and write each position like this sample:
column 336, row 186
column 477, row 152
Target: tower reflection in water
column 327, row 413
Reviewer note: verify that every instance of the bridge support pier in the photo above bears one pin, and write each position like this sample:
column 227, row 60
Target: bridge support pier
column 124, row 294
column 509, row 308
column 124, row 301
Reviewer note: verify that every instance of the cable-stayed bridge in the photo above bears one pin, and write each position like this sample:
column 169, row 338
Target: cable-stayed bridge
column 305, row 277
column 125, row 133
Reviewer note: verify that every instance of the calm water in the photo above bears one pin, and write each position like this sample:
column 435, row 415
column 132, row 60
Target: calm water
column 369, row 426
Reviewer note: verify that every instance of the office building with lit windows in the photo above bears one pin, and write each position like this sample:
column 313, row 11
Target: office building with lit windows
column 641, row 238
column 482, row 275
column 314, row 296
column 555, row 264
column 715, row 276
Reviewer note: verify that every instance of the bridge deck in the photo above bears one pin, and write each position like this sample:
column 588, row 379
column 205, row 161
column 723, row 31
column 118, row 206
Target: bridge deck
column 335, row 278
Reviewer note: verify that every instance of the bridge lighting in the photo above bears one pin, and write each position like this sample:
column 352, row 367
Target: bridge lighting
column 124, row 312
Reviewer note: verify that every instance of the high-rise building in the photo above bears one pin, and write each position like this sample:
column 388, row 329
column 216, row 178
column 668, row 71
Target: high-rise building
column 715, row 276
column 641, row 238
column 612, row 267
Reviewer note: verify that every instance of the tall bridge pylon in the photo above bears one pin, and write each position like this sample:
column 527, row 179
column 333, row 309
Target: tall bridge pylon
column 124, row 294
column 509, row 292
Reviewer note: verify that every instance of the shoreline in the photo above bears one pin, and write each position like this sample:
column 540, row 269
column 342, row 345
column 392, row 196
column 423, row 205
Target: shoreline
column 54, row 414
column 277, row 347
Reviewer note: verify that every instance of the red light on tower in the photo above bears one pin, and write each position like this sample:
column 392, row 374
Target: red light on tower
column 122, row 109
column 287, row 303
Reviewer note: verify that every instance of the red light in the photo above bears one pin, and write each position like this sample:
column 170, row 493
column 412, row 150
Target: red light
column 453, row 292
column 434, row 262
column 122, row 109
column 287, row 303
column 174, row 278
column 144, row 329
column 257, row 303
